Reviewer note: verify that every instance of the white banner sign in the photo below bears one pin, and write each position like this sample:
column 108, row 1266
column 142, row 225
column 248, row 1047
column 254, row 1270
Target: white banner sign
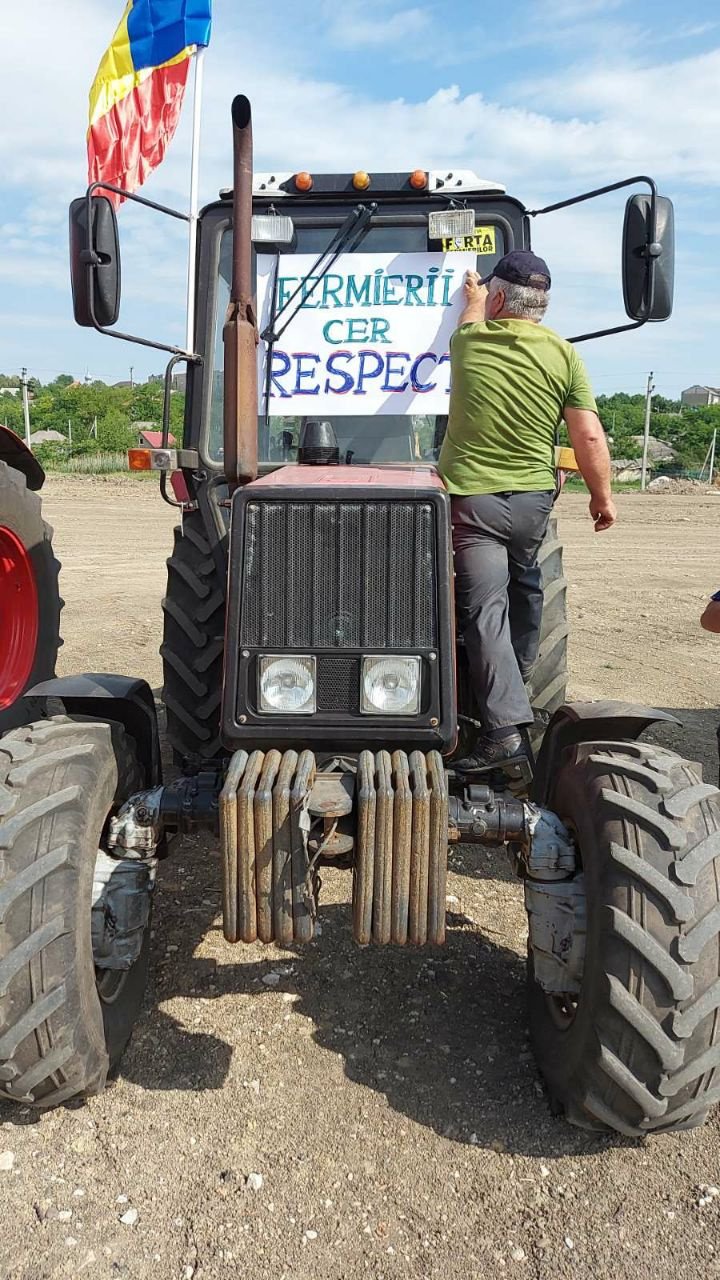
column 371, row 337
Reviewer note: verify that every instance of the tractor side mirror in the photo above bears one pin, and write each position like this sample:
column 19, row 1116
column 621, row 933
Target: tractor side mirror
column 94, row 262
column 648, row 258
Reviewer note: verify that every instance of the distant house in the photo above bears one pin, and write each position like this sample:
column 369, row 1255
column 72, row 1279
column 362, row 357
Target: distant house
column 148, row 438
column 625, row 470
column 178, row 381
column 658, row 450
column 698, row 397
column 9, row 391
column 47, row 437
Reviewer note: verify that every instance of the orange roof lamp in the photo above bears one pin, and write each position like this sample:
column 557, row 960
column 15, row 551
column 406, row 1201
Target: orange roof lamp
column 304, row 181
column 418, row 179
column 361, row 180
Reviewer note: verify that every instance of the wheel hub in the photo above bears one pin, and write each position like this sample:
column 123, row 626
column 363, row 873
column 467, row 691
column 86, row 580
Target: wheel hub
column 19, row 618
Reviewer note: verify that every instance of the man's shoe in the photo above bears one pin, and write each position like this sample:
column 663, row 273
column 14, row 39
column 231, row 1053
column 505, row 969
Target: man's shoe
column 494, row 753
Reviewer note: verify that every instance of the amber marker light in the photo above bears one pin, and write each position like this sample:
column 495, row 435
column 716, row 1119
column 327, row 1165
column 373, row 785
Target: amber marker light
column 361, row 180
column 418, row 180
column 140, row 459
column 304, row 181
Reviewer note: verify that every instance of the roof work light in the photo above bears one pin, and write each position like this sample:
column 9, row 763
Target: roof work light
column 451, row 224
column 272, row 228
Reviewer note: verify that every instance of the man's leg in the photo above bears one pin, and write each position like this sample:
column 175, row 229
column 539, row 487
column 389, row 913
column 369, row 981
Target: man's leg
column 529, row 514
column 481, row 531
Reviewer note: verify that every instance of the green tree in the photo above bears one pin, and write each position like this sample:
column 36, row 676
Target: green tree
column 114, row 432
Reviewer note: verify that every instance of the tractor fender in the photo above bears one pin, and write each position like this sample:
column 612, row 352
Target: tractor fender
column 16, row 454
column 585, row 722
column 109, row 697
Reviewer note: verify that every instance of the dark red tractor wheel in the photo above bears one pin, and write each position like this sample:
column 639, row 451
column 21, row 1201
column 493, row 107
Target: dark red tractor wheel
column 29, row 600
column 19, row 621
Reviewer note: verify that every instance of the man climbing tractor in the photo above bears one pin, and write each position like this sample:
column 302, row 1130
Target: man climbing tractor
column 512, row 381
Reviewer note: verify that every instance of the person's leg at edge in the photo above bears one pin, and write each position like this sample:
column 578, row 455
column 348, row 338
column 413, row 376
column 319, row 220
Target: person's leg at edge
column 529, row 513
column 481, row 532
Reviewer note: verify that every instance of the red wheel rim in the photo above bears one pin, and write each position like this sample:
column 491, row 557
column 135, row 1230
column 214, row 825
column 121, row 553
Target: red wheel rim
column 18, row 617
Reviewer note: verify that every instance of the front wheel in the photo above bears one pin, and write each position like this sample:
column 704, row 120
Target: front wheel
column 638, row 1050
column 74, row 923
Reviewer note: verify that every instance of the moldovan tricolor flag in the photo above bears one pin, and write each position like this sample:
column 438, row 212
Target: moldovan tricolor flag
column 137, row 94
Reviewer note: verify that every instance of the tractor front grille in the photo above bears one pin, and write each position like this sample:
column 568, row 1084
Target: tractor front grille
column 339, row 575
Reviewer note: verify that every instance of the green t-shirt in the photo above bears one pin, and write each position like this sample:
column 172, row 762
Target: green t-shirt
column 511, row 380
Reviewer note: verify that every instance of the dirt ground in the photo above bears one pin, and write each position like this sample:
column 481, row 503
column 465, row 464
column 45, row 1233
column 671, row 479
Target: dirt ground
column 388, row 1102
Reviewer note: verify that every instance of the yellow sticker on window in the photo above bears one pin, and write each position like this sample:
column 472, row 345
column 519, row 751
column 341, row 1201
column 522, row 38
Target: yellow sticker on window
column 482, row 240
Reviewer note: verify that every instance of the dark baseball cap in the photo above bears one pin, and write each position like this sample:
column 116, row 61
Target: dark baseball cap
column 522, row 267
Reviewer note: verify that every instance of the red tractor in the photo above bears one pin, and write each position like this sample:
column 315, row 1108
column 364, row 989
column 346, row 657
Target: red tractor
column 316, row 692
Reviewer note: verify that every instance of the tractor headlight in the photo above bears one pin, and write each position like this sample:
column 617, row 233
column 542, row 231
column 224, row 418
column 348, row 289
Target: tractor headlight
column 391, row 686
column 287, row 685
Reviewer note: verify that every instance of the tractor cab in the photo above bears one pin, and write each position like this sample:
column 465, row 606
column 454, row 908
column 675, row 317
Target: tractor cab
column 357, row 279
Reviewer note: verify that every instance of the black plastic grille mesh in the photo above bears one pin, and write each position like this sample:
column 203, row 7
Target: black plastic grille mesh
column 338, row 684
column 339, row 575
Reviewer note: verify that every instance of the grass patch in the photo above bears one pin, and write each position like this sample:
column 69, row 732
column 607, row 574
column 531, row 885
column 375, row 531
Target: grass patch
column 88, row 464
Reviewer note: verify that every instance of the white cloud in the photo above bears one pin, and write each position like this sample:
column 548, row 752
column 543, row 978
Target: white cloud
column 544, row 139
column 363, row 25
column 667, row 116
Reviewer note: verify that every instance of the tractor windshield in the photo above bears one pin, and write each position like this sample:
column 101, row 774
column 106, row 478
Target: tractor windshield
column 352, row 361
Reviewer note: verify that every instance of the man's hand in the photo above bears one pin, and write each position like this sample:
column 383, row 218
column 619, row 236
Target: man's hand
column 475, row 295
column 475, row 292
column 603, row 513
column 593, row 458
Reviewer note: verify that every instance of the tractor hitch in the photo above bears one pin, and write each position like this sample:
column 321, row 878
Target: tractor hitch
column 479, row 816
column 189, row 804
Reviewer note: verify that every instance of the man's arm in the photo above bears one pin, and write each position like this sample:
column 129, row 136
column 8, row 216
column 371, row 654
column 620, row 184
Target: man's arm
column 710, row 620
column 593, row 458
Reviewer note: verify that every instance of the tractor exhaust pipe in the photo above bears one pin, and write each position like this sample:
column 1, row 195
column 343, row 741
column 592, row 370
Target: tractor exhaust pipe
column 240, row 333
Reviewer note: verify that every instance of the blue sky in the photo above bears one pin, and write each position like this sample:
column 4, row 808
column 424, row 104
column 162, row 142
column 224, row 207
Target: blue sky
column 549, row 97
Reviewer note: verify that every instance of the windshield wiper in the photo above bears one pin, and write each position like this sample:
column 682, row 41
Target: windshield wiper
column 353, row 228
column 268, row 368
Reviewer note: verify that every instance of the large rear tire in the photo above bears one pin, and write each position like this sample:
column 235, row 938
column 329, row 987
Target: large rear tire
column 550, row 674
column 639, row 1050
column 30, row 602
column 193, row 644
column 64, row 1023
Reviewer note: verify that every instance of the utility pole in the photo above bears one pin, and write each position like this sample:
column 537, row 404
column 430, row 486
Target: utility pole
column 712, row 456
column 132, row 382
column 646, row 433
column 26, row 405
column 69, row 430
column 94, row 427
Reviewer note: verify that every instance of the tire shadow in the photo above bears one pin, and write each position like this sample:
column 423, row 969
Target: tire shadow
column 695, row 736
column 440, row 1032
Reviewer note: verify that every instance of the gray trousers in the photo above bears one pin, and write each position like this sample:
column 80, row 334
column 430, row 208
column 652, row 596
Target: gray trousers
column 499, row 596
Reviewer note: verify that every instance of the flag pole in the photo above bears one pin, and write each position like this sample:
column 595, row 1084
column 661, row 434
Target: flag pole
column 194, row 185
